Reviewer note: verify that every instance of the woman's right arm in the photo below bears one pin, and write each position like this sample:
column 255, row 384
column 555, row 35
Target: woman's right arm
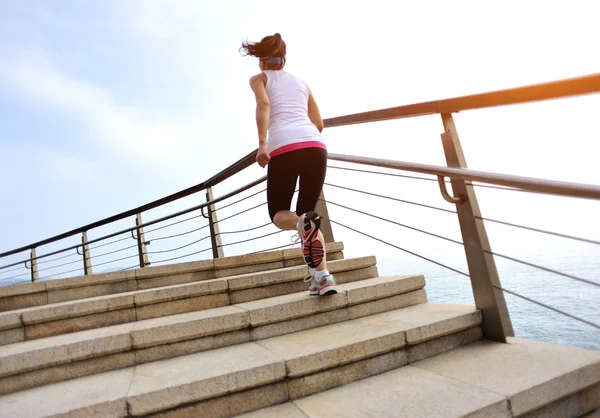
column 313, row 111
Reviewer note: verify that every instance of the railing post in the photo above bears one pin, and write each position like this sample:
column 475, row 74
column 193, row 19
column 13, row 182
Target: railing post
column 34, row 266
column 213, row 224
column 482, row 268
column 141, row 242
column 87, row 261
column 321, row 209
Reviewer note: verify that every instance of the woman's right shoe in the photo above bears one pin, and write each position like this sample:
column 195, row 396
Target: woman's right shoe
column 313, row 248
column 322, row 288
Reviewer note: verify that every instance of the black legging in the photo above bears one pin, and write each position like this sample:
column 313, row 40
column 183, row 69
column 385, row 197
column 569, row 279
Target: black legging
column 308, row 164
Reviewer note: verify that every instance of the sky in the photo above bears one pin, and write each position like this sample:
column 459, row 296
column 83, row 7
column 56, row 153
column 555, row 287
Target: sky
column 105, row 106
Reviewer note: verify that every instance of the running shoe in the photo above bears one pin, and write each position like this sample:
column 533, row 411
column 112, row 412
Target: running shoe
column 313, row 248
column 326, row 286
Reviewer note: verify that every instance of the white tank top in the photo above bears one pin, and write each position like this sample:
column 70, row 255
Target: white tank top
column 289, row 122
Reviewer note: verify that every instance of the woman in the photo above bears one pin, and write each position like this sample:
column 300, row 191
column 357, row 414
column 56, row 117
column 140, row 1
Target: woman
column 288, row 112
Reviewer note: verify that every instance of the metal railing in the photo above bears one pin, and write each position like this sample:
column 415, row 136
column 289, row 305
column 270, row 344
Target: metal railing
column 487, row 289
column 520, row 184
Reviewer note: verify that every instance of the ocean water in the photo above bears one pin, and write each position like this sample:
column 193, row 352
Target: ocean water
column 529, row 320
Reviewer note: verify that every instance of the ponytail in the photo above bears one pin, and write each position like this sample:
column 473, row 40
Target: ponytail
column 271, row 49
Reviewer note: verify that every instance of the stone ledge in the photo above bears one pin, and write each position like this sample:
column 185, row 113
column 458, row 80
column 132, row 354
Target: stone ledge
column 22, row 289
column 31, row 355
column 11, row 319
column 102, row 395
column 80, row 281
column 170, row 383
column 171, row 269
column 386, row 286
column 186, row 290
column 188, row 326
column 71, row 309
column 530, row 374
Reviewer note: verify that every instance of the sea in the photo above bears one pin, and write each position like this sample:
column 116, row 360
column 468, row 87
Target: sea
column 529, row 320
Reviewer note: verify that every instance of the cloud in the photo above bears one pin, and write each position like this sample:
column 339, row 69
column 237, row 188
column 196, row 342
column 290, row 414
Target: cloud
column 138, row 133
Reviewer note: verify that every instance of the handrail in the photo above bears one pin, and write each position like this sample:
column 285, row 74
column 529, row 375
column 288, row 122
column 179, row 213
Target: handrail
column 559, row 188
column 233, row 169
column 553, row 90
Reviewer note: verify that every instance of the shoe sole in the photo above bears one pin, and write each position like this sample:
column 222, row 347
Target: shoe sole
column 328, row 290
column 315, row 249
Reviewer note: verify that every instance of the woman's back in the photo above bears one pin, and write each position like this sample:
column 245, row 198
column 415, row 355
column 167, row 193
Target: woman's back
column 289, row 122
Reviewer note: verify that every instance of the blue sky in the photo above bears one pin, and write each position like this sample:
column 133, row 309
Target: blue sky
column 105, row 106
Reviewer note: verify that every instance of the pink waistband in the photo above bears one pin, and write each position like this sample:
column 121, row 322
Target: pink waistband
column 297, row 146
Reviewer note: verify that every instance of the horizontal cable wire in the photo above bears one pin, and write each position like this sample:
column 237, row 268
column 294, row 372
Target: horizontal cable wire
column 394, row 222
column 108, row 243
column 179, row 248
column 178, row 235
column 241, row 200
column 244, row 230
column 60, row 265
column 487, row 186
column 173, row 223
column 115, row 251
column 89, row 258
column 15, row 269
column 274, row 248
column 114, row 261
column 242, row 212
column 251, row 239
column 570, row 276
column 14, row 277
column 182, row 256
column 55, row 259
column 548, row 307
column 64, row 272
column 399, row 248
column 391, row 198
column 95, row 265
column 543, row 231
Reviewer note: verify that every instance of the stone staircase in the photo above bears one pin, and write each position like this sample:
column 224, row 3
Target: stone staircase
column 241, row 335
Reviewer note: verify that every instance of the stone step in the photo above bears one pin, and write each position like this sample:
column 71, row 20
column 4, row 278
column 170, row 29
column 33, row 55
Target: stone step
column 19, row 296
column 32, row 363
column 483, row 379
column 82, row 314
column 233, row 380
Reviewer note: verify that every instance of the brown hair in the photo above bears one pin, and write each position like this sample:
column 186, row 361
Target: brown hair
column 269, row 47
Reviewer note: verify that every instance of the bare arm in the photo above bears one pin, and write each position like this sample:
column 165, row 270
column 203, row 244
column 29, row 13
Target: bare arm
column 313, row 111
column 263, row 106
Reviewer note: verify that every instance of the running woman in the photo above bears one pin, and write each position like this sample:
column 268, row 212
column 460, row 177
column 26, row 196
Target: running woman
column 287, row 111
